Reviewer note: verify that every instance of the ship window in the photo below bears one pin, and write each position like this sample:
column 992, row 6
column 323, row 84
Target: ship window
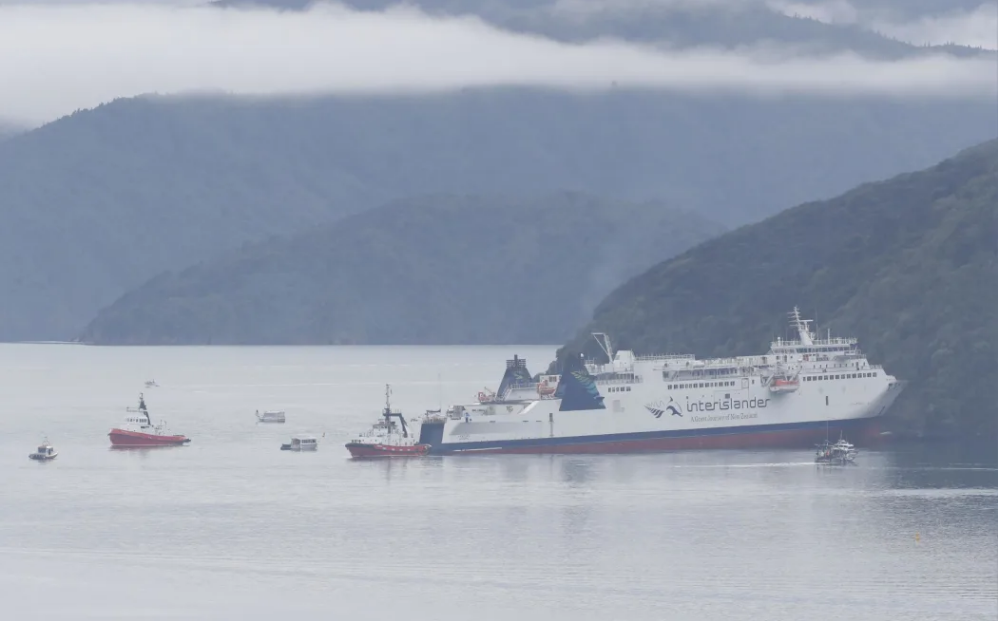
column 874, row 375
column 628, row 389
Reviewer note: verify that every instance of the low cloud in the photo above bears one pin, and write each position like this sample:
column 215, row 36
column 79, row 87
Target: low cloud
column 586, row 8
column 829, row 12
column 58, row 58
column 975, row 28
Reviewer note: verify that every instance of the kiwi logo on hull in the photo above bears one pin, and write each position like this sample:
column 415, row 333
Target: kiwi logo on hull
column 658, row 408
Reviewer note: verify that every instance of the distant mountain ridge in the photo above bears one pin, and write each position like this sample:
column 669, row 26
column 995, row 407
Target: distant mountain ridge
column 97, row 202
column 909, row 265
column 432, row 270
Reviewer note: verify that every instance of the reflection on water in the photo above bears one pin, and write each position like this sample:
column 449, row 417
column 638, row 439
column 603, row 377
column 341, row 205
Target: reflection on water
column 232, row 527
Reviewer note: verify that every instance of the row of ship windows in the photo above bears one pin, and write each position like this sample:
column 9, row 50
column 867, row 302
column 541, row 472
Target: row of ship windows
column 700, row 385
column 816, row 378
column 619, row 389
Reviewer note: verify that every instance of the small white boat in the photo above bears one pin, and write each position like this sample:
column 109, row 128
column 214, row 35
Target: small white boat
column 301, row 443
column 842, row 452
column 270, row 417
column 152, row 384
column 45, row 452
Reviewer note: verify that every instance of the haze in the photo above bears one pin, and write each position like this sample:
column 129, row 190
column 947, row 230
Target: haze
column 56, row 58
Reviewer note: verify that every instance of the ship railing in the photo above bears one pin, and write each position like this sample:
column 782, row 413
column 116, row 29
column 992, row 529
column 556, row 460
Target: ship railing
column 654, row 357
column 620, row 380
column 835, row 341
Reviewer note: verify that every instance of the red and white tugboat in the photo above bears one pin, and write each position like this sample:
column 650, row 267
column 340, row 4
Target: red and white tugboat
column 386, row 438
column 139, row 431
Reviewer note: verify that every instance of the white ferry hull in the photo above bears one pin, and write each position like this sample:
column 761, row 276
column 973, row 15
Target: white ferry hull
column 677, row 402
column 539, row 427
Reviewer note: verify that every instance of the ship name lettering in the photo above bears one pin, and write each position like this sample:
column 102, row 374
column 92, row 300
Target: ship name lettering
column 726, row 404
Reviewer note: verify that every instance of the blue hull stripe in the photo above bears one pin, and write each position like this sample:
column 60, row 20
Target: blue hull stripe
column 854, row 423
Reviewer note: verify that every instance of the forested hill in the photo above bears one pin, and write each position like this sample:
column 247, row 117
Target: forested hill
column 98, row 202
column 432, row 270
column 908, row 265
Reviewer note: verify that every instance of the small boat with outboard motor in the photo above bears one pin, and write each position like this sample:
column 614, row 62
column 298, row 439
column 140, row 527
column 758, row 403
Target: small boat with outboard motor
column 841, row 452
column 388, row 438
column 45, row 452
column 270, row 417
column 140, row 432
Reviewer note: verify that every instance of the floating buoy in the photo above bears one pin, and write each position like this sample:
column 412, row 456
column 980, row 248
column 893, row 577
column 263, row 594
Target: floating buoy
column 917, row 537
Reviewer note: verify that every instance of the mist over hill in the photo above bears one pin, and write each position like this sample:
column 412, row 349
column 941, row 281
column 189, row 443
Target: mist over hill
column 97, row 202
column 733, row 109
column 432, row 270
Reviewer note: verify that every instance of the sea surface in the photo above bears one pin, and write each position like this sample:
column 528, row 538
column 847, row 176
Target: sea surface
column 230, row 527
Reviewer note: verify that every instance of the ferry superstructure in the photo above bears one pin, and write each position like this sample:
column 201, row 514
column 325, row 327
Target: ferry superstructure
column 798, row 393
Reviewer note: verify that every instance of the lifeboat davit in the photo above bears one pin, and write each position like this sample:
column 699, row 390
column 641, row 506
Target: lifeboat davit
column 139, row 431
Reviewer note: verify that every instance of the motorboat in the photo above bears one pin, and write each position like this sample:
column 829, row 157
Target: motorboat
column 45, row 452
column 388, row 438
column 301, row 443
column 152, row 384
column 139, row 431
column 270, row 417
column 841, row 452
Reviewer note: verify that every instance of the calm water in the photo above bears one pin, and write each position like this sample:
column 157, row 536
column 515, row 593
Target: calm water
column 231, row 527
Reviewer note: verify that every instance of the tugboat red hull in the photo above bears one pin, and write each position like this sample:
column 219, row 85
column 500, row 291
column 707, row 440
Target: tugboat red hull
column 133, row 439
column 361, row 450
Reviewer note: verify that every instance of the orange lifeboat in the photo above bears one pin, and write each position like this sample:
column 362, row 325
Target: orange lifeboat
column 545, row 390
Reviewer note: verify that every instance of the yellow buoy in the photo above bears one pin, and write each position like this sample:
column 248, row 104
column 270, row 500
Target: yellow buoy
column 917, row 537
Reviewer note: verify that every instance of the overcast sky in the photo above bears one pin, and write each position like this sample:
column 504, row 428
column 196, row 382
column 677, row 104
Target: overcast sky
column 55, row 58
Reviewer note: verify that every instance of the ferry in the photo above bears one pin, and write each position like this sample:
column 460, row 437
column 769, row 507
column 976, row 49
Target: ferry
column 791, row 396
column 140, row 432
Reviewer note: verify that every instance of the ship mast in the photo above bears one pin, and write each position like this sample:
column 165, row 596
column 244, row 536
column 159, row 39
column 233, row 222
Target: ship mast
column 802, row 328
column 388, row 414
column 604, row 344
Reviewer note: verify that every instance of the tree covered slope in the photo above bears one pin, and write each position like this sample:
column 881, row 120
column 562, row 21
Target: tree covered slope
column 433, row 270
column 908, row 265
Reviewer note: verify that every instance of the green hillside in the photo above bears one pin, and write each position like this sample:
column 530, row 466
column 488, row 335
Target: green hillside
column 443, row 269
column 908, row 265
column 98, row 202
